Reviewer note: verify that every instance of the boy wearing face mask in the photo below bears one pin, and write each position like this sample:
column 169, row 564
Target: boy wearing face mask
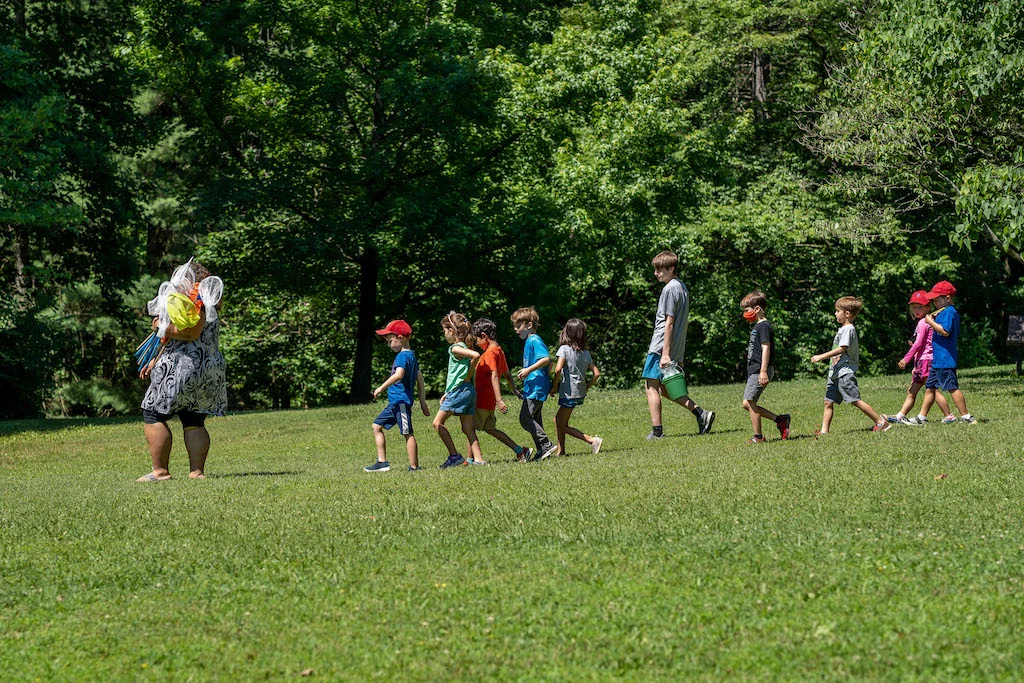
column 760, row 366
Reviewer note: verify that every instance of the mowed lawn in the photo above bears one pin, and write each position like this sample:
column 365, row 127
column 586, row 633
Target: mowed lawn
column 895, row 555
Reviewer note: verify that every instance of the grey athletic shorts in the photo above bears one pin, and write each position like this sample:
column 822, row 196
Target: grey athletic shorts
column 842, row 390
column 753, row 390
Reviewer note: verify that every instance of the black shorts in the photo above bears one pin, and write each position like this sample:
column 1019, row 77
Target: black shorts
column 187, row 417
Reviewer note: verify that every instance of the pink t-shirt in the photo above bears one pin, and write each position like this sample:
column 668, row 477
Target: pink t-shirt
column 921, row 349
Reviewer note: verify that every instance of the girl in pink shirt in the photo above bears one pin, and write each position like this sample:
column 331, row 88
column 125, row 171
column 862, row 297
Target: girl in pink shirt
column 920, row 354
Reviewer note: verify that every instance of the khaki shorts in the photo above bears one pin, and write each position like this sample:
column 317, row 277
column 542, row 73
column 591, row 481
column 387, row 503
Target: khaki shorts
column 484, row 419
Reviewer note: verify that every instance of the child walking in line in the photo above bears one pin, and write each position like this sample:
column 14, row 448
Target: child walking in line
column 490, row 370
column 845, row 354
column 945, row 323
column 760, row 366
column 920, row 354
column 571, row 383
column 668, row 345
column 459, row 395
column 405, row 372
column 536, row 381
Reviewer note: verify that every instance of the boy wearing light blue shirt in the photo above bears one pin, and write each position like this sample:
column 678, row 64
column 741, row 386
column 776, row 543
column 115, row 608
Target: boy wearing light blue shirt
column 536, row 380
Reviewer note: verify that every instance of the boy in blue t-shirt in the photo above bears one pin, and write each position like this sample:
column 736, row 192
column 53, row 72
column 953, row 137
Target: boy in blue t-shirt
column 536, row 380
column 405, row 372
column 945, row 322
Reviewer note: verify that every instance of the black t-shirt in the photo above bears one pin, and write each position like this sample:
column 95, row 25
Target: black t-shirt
column 760, row 334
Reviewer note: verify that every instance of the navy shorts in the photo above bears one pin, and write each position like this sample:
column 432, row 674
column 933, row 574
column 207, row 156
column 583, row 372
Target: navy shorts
column 842, row 390
column 396, row 414
column 187, row 417
column 567, row 402
column 942, row 378
column 461, row 400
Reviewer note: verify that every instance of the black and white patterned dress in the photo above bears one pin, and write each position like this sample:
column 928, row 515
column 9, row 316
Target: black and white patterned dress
column 189, row 376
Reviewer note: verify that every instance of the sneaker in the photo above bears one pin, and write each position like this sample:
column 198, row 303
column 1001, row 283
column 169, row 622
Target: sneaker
column 546, row 454
column 757, row 439
column 481, row 462
column 969, row 420
column 453, row 461
column 706, row 420
column 414, row 469
column 525, row 455
column 914, row 421
column 595, row 447
column 884, row 427
column 378, row 467
column 655, row 437
column 950, row 419
column 895, row 419
column 783, row 425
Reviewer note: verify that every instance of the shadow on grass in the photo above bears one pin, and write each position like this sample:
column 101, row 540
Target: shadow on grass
column 252, row 474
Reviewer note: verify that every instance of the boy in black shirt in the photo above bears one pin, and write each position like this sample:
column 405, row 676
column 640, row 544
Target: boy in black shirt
column 760, row 365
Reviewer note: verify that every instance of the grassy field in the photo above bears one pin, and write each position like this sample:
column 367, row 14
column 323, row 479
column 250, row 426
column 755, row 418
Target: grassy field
column 895, row 555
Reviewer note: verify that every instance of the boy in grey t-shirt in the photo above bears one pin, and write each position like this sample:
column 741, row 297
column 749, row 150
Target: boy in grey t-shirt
column 845, row 354
column 668, row 343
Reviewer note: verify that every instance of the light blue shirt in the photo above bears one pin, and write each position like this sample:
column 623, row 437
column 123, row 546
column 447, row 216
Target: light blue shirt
column 538, row 383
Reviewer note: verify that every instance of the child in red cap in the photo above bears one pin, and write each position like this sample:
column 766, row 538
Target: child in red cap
column 920, row 354
column 945, row 322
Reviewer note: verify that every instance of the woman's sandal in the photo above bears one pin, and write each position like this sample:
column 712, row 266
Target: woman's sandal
column 150, row 478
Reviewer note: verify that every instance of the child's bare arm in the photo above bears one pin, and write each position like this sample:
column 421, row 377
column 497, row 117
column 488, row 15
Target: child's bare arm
column 394, row 379
column 542, row 363
column 421, row 390
column 762, row 377
column 666, row 348
column 596, row 374
column 930, row 319
column 496, row 386
column 512, row 383
column 557, row 381
column 838, row 351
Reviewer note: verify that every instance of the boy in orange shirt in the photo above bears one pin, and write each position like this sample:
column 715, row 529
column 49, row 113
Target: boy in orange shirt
column 489, row 371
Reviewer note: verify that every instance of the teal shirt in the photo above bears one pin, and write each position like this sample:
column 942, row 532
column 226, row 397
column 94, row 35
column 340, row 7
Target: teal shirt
column 458, row 368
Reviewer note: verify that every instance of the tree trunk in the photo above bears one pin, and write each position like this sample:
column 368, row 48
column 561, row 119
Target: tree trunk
column 761, row 65
column 21, row 278
column 361, row 391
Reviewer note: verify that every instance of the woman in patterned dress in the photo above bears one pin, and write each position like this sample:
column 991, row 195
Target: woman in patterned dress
column 186, row 380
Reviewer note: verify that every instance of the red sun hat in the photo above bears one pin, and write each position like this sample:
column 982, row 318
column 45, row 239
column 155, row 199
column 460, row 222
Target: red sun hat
column 920, row 297
column 399, row 327
column 942, row 288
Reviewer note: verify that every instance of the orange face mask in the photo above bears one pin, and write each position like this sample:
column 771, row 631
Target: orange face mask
column 750, row 316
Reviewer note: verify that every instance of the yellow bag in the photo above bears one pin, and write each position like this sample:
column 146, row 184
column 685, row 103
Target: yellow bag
column 182, row 312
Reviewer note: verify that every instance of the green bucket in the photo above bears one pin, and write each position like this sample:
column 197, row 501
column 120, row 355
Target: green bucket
column 675, row 385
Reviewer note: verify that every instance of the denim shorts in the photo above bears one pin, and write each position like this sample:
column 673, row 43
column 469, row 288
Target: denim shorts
column 943, row 378
column 461, row 400
column 566, row 402
column 842, row 389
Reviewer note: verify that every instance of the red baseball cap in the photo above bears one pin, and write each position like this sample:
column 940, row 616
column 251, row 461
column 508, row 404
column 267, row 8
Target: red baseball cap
column 399, row 327
column 920, row 297
column 942, row 288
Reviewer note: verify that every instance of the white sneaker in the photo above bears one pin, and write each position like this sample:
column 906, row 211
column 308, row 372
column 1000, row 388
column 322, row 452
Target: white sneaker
column 914, row 421
column 595, row 447
column 548, row 453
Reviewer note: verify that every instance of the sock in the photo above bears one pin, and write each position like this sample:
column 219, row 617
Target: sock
column 519, row 450
column 965, row 416
column 900, row 416
column 657, row 431
column 698, row 412
column 921, row 417
column 758, row 436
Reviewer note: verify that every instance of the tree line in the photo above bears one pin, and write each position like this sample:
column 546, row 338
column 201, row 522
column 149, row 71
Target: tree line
column 343, row 163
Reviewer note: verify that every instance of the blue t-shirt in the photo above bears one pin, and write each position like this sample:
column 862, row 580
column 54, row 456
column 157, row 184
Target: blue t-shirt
column 538, row 383
column 944, row 353
column 402, row 392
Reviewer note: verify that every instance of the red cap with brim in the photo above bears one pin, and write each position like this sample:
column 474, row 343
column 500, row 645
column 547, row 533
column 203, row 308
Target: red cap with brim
column 943, row 288
column 920, row 297
column 399, row 327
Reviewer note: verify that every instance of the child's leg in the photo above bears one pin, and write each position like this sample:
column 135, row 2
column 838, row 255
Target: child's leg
column 504, row 438
column 942, row 403
column 412, row 448
column 442, row 431
column 654, row 390
column 929, row 399
column 865, row 408
column 473, row 451
column 959, row 401
column 381, row 443
column 562, row 425
column 911, row 399
column 755, row 416
column 826, row 416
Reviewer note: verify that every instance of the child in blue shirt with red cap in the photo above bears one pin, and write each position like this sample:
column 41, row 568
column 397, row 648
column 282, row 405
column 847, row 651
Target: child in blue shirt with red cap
column 405, row 374
column 945, row 323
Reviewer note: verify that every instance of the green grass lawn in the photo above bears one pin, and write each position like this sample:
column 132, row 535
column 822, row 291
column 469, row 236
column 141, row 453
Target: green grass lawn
column 699, row 557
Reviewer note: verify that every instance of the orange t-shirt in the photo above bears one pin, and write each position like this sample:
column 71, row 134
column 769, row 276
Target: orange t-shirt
column 492, row 360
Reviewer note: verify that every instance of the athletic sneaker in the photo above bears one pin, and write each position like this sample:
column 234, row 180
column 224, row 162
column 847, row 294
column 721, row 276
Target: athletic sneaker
column 884, row 427
column 546, row 454
column 783, row 425
column 757, row 439
column 482, row 462
column 378, row 467
column 950, row 419
column 969, row 420
column 414, row 469
column 705, row 421
column 914, row 421
column 453, row 461
column 525, row 455
column 655, row 437
column 891, row 418
column 595, row 447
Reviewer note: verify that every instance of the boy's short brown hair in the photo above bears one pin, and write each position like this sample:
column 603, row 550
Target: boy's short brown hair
column 666, row 260
column 527, row 314
column 753, row 300
column 850, row 304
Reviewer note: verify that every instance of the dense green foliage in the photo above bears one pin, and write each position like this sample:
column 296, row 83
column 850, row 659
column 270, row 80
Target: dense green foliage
column 340, row 165
column 865, row 556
